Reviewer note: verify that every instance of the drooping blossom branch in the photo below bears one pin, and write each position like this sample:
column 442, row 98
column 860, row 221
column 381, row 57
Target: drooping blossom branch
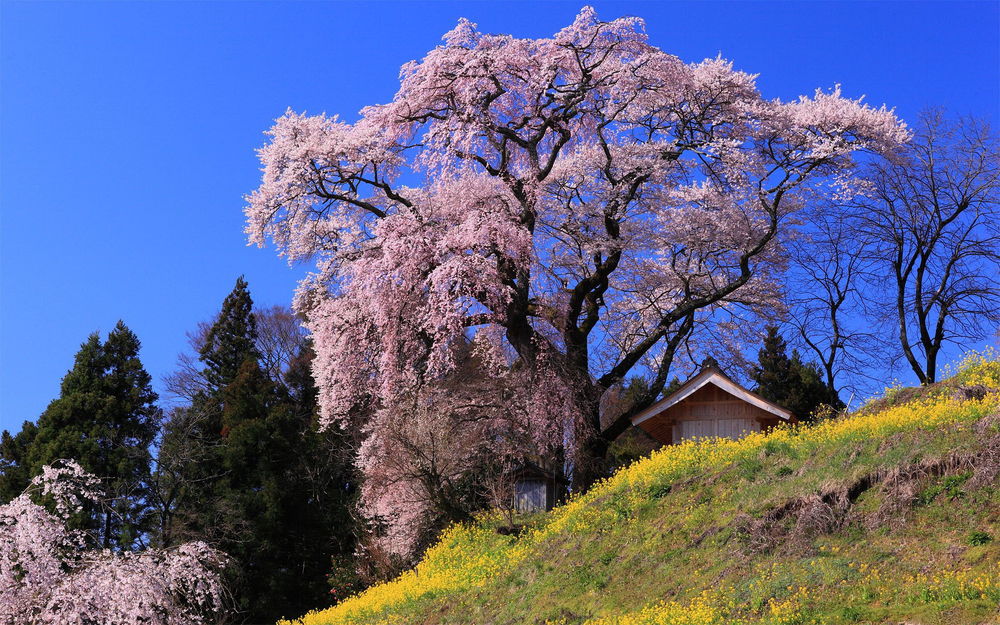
column 47, row 575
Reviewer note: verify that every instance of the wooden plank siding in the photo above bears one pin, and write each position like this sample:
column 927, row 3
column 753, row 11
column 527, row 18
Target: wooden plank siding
column 709, row 411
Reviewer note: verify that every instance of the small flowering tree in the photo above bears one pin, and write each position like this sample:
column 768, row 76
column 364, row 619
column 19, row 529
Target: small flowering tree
column 576, row 204
column 48, row 576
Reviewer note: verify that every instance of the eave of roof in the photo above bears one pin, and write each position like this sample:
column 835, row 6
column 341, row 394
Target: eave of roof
column 711, row 375
column 530, row 469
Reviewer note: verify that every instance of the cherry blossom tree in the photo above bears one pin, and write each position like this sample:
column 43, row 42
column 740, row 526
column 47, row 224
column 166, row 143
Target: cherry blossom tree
column 575, row 204
column 47, row 576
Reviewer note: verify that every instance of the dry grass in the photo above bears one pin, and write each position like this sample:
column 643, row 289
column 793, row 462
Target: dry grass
column 793, row 524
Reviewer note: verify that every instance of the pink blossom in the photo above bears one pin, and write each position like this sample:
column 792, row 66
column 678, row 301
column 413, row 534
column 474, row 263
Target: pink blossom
column 48, row 576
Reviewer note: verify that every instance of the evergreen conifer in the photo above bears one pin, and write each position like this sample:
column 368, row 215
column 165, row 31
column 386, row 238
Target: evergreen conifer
column 106, row 419
column 256, row 476
column 14, row 469
column 789, row 381
column 231, row 340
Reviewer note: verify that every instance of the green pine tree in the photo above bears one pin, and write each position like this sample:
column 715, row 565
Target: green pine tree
column 194, row 438
column 773, row 373
column 255, row 476
column 106, row 419
column 231, row 340
column 133, row 404
column 810, row 391
column 791, row 382
column 285, row 498
column 261, row 495
column 324, row 494
column 14, row 469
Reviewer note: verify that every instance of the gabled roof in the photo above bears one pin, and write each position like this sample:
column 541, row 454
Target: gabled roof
column 711, row 375
column 530, row 470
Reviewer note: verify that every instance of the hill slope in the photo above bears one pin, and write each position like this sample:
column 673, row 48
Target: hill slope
column 891, row 515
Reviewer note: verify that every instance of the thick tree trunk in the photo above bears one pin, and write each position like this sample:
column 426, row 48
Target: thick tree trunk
column 589, row 461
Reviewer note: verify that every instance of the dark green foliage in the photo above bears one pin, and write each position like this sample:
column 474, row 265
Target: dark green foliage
column 192, row 460
column 979, row 538
column 285, row 496
column 791, row 382
column 634, row 443
column 231, row 339
column 809, row 391
column 106, row 419
column 773, row 373
column 635, row 389
column 14, row 471
column 343, row 577
column 248, row 470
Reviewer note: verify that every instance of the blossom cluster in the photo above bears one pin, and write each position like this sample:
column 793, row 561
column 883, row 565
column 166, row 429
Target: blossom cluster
column 47, row 575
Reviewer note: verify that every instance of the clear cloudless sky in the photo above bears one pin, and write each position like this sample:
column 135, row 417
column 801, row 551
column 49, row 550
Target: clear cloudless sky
column 128, row 129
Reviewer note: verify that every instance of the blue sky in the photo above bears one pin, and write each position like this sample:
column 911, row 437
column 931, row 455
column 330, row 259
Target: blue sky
column 127, row 132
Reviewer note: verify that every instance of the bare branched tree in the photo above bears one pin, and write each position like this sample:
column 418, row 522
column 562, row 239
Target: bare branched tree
column 827, row 301
column 280, row 337
column 932, row 222
column 186, row 382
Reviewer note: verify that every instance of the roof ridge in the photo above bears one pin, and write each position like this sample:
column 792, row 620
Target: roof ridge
column 698, row 381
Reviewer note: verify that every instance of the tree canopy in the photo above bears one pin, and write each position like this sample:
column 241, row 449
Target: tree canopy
column 578, row 203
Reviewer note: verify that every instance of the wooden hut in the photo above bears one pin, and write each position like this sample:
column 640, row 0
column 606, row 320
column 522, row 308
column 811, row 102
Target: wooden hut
column 534, row 488
column 709, row 404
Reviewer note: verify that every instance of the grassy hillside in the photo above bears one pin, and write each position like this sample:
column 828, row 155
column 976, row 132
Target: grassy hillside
column 891, row 515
